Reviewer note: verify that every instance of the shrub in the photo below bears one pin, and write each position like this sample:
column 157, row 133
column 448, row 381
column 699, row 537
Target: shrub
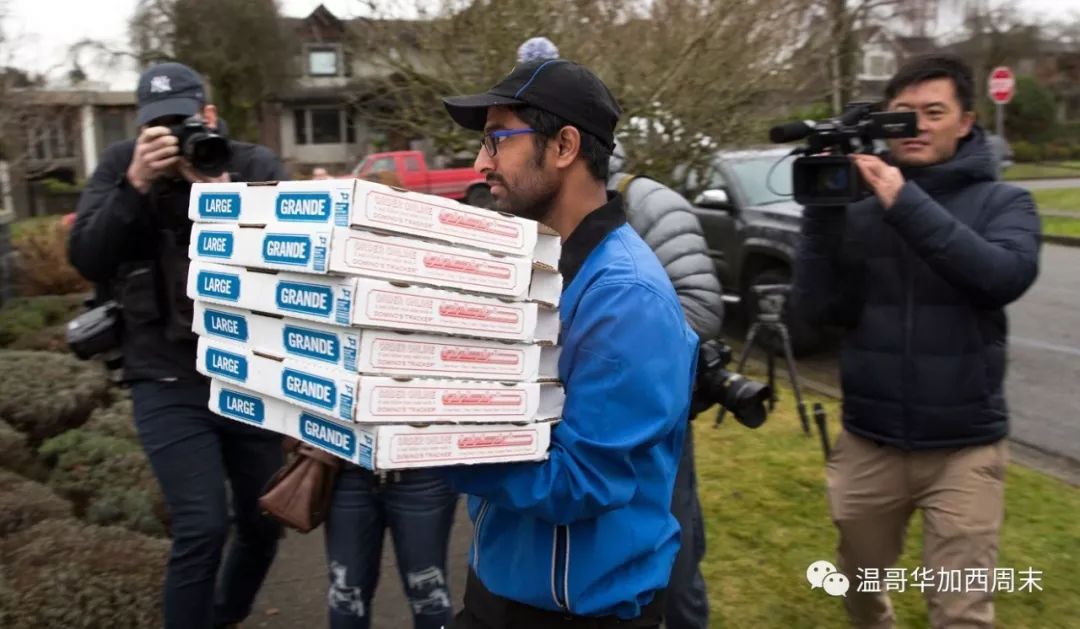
column 107, row 478
column 116, row 420
column 137, row 509
column 17, row 455
column 1024, row 151
column 43, row 394
column 62, row 573
column 1057, row 152
column 26, row 316
column 52, row 185
column 24, row 503
column 41, row 263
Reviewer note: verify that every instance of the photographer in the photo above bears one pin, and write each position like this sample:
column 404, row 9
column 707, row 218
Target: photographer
column 131, row 233
column 920, row 274
column 666, row 222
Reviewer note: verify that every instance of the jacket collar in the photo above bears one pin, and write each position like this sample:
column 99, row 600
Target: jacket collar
column 588, row 234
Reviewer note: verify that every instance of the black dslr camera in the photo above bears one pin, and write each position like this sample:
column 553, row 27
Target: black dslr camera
column 207, row 151
column 745, row 398
column 833, row 179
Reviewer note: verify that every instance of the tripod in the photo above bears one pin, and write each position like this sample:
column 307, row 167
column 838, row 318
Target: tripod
column 771, row 299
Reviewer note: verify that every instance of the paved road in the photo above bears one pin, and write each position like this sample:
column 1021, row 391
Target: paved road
column 1043, row 384
column 1043, row 184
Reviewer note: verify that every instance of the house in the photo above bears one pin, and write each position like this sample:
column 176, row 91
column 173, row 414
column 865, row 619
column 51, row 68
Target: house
column 59, row 134
column 314, row 121
column 880, row 55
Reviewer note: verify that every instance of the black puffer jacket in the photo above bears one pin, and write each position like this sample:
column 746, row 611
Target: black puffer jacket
column 922, row 289
column 666, row 223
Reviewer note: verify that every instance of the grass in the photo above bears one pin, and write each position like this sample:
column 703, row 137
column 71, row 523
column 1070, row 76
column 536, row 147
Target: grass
column 767, row 519
column 1061, row 226
column 1058, row 199
column 1043, row 170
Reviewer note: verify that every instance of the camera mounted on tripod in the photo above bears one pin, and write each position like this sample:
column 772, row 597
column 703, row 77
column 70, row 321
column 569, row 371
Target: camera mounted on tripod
column 825, row 175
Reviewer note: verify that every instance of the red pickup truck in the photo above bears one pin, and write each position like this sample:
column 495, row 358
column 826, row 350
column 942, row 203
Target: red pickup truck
column 409, row 170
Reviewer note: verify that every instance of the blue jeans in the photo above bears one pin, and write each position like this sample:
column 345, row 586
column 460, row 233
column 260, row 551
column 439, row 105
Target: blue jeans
column 193, row 452
column 418, row 507
column 687, row 605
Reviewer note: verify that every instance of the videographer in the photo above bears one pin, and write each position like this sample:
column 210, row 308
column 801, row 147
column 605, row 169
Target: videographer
column 131, row 233
column 920, row 274
column 666, row 222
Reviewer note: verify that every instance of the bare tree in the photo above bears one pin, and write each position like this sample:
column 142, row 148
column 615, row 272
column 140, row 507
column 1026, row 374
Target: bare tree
column 690, row 75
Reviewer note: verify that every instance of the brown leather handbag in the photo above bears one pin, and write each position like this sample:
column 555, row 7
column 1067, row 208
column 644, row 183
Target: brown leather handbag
column 299, row 494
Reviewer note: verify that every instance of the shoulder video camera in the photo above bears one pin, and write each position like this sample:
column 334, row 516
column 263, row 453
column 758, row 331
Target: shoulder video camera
column 824, row 175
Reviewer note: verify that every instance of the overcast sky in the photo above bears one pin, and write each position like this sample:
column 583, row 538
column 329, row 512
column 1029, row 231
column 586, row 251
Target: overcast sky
column 43, row 30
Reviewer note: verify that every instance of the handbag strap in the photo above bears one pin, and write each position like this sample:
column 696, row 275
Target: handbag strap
column 319, row 455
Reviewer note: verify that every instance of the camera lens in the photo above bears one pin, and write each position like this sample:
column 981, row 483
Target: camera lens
column 209, row 154
column 833, row 179
column 745, row 399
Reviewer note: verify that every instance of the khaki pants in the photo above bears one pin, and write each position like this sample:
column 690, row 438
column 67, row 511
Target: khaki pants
column 873, row 490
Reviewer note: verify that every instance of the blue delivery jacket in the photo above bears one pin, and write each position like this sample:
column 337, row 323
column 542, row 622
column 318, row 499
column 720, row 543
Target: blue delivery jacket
column 590, row 530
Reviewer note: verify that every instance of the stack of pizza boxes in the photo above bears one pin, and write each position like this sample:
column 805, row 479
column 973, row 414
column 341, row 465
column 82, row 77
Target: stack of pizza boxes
column 393, row 329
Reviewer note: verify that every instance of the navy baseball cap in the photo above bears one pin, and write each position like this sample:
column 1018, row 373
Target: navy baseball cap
column 557, row 86
column 169, row 89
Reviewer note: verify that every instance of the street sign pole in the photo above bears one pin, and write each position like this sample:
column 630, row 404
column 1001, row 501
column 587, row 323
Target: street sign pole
column 1000, row 86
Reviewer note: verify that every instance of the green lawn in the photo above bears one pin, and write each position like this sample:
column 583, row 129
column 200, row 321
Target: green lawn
column 1061, row 226
column 767, row 519
column 1058, row 199
column 1042, row 170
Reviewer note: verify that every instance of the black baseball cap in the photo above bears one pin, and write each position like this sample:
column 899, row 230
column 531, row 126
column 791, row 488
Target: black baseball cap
column 557, row 86
column 169, row 89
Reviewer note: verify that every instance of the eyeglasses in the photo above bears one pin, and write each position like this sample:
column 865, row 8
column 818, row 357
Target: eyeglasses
column 492, row 139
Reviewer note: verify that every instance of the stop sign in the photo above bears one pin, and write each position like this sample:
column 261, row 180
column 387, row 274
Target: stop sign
column 1001, row 85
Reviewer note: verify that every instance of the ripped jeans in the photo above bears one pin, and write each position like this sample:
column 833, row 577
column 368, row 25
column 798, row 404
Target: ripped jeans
column 418, row 507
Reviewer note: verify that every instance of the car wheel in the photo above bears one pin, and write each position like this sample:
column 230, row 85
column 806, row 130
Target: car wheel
column 805, row 338
column 480, row 196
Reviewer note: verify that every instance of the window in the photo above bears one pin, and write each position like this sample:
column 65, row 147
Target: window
column 412, row 164
column 323, row 62
column 300, row 126
column 49, row 140
column 878, row 64
column 115, row 126
column 324, row 125
column 383, row 164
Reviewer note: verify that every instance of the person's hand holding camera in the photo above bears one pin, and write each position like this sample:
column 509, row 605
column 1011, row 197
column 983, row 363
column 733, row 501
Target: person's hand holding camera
column 883, row 179
column 156, row 152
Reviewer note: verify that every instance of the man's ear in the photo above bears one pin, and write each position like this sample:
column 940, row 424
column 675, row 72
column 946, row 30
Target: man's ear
column 209, row 114
column 967, row 119
column 567, row 146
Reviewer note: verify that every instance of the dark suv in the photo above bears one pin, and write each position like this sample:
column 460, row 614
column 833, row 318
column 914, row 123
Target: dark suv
column 752, row 227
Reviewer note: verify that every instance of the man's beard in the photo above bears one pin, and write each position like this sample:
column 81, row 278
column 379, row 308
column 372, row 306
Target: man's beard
column 534, row 207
